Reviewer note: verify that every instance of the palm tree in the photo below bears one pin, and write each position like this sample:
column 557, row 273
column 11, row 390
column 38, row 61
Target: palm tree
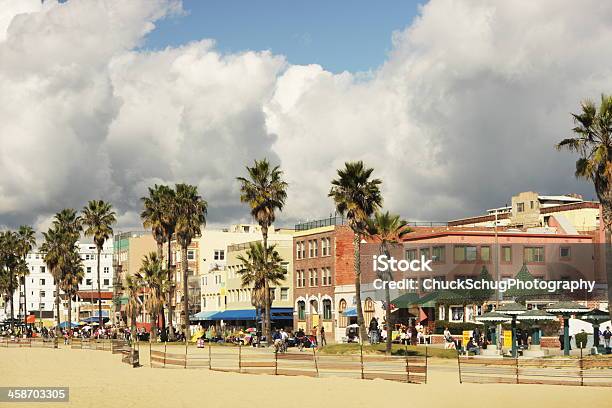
column 593, row 143
column 26, row 242
column 154, row 277
column 159, row 214
column 132, row 289
column 358, row 197
column 388, row 230
column 10, row 265
column 190, row 217
column 265, row 192
column 98, row 218
column 53, row 248
column 259, row 274
column 72, row 276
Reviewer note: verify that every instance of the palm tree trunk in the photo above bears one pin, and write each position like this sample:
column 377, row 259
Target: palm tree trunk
column 100, row 319
column 154, row 326
column 170, row 292
column 12, row 309
column 357, row 262
column 69, row 326
column 25, row 303
column 388, row 316
column 57, row 309
column 268, row 326
column 608, row 249
column 185, row 290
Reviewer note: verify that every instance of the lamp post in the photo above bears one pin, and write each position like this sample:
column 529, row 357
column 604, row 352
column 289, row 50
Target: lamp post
column 566, row 309
column 513, row 309
column 493, row 318
column 595, row 317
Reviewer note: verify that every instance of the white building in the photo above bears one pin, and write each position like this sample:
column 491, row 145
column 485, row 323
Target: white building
column 40, row 288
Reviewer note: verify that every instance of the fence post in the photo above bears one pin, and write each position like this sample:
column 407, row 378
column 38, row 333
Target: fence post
column 517, row 367
column 426, row 364
column 459, row 365
column 164, row 354
column 407, row 364
column 186, row 345
column 240, row 358
column 275, row 362
column 361, row 358
column 150, row 361
column 314, row 358
column 209, row 357
column 581, row 369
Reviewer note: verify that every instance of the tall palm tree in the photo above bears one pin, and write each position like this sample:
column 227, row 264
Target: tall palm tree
column 159, row 214
column 191, row 211
column 154, row 277
column 10, row 265
column 593, row 142
column 132, row 290
column 26, row 242
column 53, row 247
column 98, row 219
column 388, row 230
column 358, row 197
column 259, row 274
column 265, row 192
column 72, row 277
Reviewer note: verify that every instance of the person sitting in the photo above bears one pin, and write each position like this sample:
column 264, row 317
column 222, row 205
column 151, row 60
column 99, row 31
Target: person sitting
column 472, row 347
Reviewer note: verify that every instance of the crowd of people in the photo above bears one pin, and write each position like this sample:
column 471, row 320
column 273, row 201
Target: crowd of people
column 411, row 334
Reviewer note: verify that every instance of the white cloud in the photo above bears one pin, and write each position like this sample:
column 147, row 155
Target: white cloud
column 464, row 112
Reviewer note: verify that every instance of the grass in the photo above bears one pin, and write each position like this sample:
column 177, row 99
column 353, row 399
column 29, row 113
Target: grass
column 396, row 350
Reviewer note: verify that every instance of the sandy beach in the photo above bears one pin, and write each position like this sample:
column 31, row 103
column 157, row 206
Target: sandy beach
column 99, row 379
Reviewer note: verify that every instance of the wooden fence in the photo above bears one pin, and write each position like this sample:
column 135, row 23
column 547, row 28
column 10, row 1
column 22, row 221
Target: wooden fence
column 310, row 363
column 28, row 342
column 587, row 371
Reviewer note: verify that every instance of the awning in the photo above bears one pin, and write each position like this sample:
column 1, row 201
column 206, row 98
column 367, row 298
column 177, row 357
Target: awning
column 96, row 319
column 350, row 312
column 104, row 313
column 63, row 325
column 251, row 314
column 406, row 300
column 203, row 315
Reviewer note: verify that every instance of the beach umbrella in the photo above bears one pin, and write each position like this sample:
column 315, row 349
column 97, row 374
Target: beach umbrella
column 251, row 330
column 595, row 317
column 566, row 309
column 535, row 316
column 513, row 309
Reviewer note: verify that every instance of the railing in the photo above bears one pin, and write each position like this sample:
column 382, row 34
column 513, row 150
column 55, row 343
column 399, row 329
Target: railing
column 325, row 222
column 587, row 371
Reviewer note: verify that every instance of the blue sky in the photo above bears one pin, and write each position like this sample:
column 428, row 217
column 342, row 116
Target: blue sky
column 339, row 35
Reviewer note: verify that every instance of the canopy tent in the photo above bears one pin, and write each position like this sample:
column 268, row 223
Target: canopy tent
column 64, row 325
column 96, row 319
column 280, row 313
column 203, row 315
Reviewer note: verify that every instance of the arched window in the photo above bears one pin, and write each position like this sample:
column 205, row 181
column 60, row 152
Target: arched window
column 301, row 310
column 341, row 317
column 368, row 310
column 327, row 309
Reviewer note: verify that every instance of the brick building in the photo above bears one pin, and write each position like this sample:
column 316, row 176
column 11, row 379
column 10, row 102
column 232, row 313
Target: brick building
column 323, row 261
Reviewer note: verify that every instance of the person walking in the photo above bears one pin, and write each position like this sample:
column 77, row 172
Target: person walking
column 607, row 335
column 323, row 340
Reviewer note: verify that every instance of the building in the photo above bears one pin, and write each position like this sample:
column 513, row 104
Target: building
column 324, row 283
column 40, row 286
column 128, row 251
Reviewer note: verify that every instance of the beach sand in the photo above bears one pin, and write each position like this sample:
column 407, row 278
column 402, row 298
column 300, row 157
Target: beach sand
column 99, row 379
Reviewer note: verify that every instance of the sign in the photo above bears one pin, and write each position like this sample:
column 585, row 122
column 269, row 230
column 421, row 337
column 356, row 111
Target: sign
column 467, row 334
column 507, row 338
column 315, row 320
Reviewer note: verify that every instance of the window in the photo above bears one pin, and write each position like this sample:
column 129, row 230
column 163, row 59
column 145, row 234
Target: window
column 42, row 294
column 426, row 252
column 89, row 269
column 313, row 278
column 41, row 306
column 325, row 247
column 341, row 317
column 464, row 253
column 42, row 282
column 106, row 269
column 300, row 279
column 534, row 254
column 190, row 255
column 456, row 313
column 219, row 255
column 42, row 269
column 368, row 310
column 520, row 207
column 285, row 266
column 532, row 204
column 88, row 281
column 565, row 252
column 300, row 251
column 411, row 254
column 301, row 310
column 326, row 277
column 506, row 255
column 284, row 294
column 313, row 247
column 327, row 309
column 106, row 282
column 438, row 254
column 485, row 253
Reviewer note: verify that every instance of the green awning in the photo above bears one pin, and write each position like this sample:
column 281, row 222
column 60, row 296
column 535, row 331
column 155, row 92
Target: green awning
column 428, row 300
column 406, row 300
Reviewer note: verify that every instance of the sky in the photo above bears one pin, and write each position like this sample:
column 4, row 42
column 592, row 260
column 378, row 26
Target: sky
column 456, row 105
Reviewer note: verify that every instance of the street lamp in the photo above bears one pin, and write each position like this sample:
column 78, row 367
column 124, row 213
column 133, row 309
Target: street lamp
column 513, row 309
